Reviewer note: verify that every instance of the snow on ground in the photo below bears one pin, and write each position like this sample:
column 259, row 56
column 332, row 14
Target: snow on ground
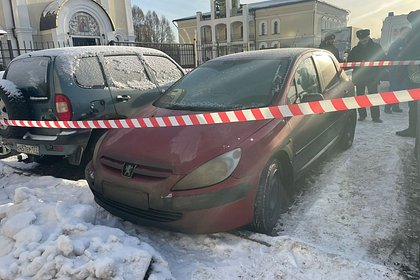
column 343, row 226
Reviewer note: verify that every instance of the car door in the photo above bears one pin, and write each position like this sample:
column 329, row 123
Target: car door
column 131, row 86
column 90, row 97
column 306, row 131
column 332, row 87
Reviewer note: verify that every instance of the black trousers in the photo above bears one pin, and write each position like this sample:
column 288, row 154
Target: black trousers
column 412, row 115
column 372, row 87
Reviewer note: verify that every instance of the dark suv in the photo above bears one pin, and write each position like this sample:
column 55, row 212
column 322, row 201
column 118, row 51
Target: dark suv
column 82, row 83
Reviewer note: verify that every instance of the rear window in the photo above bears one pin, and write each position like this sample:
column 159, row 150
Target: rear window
column 127, row 72
column 164, row 69
column 30, row 75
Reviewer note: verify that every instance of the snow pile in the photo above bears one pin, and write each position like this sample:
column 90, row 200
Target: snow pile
column 45, row 238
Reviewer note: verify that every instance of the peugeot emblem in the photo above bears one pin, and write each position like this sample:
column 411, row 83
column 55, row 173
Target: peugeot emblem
column 128, row 170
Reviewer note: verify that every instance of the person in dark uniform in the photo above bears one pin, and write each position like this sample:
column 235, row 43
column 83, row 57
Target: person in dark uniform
column 396, row 79
column 411, row 51
column 367, row 77
column 328, row 44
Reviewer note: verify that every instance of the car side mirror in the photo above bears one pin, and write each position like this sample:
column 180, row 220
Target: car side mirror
column 310, row 97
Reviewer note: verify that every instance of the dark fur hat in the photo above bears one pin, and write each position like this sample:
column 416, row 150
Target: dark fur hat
column 363, row 33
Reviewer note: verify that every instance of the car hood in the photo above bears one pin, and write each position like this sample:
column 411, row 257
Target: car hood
column 176, row 149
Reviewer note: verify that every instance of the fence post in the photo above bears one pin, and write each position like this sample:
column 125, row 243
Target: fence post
column 195, row 53
column 9, row 45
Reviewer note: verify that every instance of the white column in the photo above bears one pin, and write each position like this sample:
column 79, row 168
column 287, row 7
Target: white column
column 129, row 15
column 212, row 9
column 228, row 8
column 214, row 39
column 245, row 25
column 198, row 37
column 23, row 24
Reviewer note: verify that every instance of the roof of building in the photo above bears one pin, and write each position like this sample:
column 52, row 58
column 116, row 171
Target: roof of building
column 269, row 4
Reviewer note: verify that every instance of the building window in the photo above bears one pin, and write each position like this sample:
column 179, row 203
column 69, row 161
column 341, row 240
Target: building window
column 263, row 46
column 263, row 28
column 275, row 44
column 276, row 26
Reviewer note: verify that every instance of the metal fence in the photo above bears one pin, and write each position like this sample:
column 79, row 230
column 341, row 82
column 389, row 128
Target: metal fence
column 8, row 51
column 183, row 54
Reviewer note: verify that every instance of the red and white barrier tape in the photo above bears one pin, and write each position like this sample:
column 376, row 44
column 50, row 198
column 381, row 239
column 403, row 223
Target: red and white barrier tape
column 379, row 63
column 364, row 64
column 267, row 113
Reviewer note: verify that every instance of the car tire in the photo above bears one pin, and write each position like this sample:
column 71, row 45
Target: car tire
column 272, row 199
column 347, row 136
column 12, row 107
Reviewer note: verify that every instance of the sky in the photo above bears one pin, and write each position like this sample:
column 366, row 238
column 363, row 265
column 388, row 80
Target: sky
column 363, row 13
column 348, row 223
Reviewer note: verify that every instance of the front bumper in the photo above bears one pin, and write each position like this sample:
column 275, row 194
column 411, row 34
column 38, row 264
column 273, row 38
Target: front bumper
column 228, row 207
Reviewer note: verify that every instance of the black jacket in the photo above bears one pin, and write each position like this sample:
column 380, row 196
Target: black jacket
column 331, row 48
column 410, row 51
column 369, row 52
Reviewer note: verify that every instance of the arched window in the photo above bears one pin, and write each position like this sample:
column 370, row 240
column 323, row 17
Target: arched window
column 263, row 46
column 263, row 28
column 276, row 26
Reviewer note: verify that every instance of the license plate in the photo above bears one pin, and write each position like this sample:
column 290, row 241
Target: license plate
column 27, row 149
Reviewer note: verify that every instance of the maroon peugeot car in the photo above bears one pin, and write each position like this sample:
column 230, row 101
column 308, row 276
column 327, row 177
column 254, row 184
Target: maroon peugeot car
column 210, row 178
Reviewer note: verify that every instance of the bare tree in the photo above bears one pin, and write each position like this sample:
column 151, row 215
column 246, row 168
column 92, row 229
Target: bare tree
column 151, row 28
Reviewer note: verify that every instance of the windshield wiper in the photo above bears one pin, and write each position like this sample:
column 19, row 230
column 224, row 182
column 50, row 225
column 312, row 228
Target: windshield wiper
column 190, row 108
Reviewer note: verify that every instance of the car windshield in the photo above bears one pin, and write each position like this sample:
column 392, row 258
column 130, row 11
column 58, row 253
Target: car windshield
column 227, row 85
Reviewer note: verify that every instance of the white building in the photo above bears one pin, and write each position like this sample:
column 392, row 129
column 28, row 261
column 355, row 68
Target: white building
column 231, row 27
column 65, row 22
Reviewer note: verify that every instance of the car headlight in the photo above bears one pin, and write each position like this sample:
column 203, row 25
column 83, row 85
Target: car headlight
column 212, row 172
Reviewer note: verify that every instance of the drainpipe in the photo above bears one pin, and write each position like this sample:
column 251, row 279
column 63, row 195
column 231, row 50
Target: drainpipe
column 14, row 26
column 313, row 40
column 255, row 27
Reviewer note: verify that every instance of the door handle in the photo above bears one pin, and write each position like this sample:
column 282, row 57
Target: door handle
column 123, row 98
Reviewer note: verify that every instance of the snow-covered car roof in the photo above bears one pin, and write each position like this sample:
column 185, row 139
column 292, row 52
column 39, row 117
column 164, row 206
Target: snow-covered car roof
column 91, row 50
